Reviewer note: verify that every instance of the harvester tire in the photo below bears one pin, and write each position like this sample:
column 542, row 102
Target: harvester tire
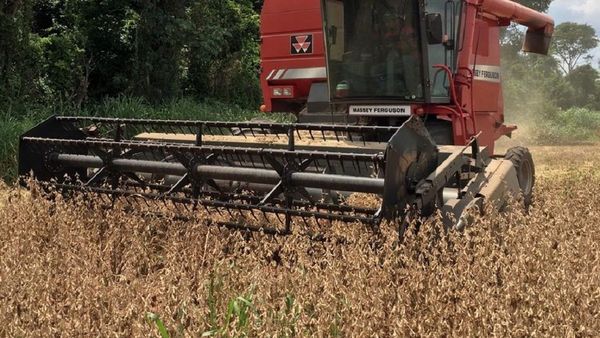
column 523, row 162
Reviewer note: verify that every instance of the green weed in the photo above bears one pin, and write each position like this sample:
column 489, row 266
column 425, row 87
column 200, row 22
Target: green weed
column 237, row 317
column 155, row 319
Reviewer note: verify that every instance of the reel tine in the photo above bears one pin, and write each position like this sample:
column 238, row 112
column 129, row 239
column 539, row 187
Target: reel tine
column 178, row 208
column 253, row 215
column 316, row 162
column 229, row 212
column 328, row 164
column 114, row 198
column 342, row 165
column 138, row 203
column 305, row 222
column 251, row 160
column 127, row 201
column 147, row 203
column 242, row 214
column 262, row 159
column 265, row 215
column 239, row 158
column 173, row 202
column 354, row 166
column 318, row 222
column 140, row 129
column 102, row 197
column 187, row 208
column 279, row 218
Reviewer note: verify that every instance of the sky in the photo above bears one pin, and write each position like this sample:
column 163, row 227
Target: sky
column 580, row 11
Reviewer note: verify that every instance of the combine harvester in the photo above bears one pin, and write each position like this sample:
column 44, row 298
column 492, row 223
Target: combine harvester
column 399, row 103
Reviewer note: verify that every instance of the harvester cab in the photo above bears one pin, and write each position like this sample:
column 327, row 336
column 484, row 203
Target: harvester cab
column 399, row 105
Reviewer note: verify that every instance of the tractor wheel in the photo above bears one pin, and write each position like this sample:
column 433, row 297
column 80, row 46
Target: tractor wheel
column 523, row 162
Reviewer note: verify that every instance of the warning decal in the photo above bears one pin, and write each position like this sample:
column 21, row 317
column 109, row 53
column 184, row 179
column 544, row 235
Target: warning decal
column 302, row 44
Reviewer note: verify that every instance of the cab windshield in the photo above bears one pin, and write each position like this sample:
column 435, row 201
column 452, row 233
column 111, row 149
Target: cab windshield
column 373, row 49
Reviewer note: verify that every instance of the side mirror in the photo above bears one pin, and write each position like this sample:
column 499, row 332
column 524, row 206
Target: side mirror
column 434, row 28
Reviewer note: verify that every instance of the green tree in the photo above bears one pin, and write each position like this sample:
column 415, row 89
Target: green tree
column 538, row 5
column 68, row 50
column 18, row 70
column 107, row 30
column 158, row 46
column 583, row 79
column 224, row 50
column 572, row 44
column 58, row 41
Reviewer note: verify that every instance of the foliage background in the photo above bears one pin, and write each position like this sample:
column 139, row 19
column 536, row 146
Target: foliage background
column 79, row 51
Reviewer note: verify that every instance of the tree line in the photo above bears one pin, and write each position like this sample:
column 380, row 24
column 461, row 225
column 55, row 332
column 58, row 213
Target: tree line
column 76, row 51
column 565, row 80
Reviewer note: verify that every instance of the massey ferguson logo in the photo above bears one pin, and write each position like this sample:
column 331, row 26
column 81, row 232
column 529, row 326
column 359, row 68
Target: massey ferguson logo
column 302, row 44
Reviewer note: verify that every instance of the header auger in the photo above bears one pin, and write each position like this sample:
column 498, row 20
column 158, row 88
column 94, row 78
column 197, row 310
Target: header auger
column 398, row 105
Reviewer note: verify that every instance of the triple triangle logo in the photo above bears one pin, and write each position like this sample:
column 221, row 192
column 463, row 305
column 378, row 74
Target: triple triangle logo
column 302, row 44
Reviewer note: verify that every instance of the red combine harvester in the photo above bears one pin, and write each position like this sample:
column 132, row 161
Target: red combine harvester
column 439, row 61
column 398, row 99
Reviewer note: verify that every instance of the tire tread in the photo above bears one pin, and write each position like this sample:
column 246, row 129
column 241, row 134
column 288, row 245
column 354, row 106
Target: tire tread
column 517, row 155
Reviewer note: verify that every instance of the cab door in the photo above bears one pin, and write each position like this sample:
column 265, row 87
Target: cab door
column 444, row 53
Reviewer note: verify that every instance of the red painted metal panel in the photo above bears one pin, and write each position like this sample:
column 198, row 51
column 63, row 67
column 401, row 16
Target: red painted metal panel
column 280, row 20
column 518, row 13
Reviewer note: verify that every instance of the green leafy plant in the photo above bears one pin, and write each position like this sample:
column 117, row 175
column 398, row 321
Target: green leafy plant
column 155, row 319
column 237, row 317
column 568, row 126
column 288, row 318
